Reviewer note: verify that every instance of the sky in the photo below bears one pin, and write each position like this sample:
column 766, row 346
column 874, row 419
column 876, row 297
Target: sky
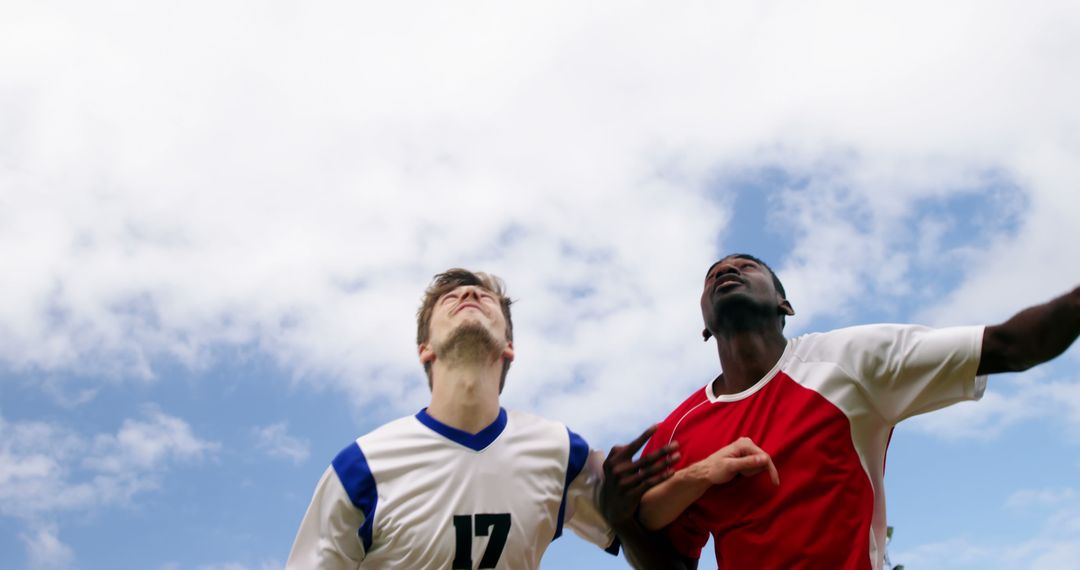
column 217, row 219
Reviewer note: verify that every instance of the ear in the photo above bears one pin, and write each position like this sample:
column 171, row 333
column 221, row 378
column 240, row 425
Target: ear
column 427, row 354
column 508, row 351
column 786, row 308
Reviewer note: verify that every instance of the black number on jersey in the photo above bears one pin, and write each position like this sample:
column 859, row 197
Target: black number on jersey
column 496, row 526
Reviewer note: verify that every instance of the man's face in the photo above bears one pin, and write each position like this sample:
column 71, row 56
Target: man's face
column 733, row 281
column 465, row 313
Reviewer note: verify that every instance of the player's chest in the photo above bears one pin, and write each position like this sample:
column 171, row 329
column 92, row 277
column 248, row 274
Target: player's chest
column 785, row 419
column 468, row 510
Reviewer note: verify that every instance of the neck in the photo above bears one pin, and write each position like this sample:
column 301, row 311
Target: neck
column 465, row 396
column 746, row 357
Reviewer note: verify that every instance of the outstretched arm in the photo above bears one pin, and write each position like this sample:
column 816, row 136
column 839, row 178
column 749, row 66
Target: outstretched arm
column 666, row 501
column 1032, row 336
column 625, row 481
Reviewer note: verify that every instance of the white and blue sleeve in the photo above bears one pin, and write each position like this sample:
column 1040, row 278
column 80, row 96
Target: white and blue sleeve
column 336, row 532
column 581, row 499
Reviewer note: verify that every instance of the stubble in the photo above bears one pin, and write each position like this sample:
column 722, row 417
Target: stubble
column 469, row 344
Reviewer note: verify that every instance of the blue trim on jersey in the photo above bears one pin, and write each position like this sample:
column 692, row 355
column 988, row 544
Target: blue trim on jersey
column 352, row 470
column 579, row 453
column 614, row 548
column 475, row 442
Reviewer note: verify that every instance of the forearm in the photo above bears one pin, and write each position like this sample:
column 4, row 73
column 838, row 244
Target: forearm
column 665, row 502
column 1032, row 336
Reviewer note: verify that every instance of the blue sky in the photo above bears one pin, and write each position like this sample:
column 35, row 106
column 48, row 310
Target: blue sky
column 217, row 218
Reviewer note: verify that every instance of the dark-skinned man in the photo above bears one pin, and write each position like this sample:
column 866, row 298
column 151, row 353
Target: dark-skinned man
column 816, row 413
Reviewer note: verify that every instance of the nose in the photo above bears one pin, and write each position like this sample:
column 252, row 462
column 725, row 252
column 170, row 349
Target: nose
column 725, row 267
column 470, row 292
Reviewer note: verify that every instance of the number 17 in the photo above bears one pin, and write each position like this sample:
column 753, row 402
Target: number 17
column 497, row 525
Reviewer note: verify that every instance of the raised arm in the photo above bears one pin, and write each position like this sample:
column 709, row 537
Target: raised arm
column 625, row 481
column 664, row 503
column 1032, row 336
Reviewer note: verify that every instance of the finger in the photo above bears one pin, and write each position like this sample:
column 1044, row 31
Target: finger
column 640, row 440
column 660, row 456
column 622, row 471
column 774, row 474
column 754, row 464
column 746, row 446
column 630, row 483
column 745, row 463
column 749, row 465
column 627, row 483
column 615, row 451
column 658, row 463
column 657, row 479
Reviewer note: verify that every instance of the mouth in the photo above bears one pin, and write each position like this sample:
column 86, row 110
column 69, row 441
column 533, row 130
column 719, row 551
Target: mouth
column 466, row 306
column 727, row 283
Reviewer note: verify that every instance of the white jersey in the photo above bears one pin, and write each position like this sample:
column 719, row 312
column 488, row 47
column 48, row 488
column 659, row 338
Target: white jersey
column 416, row 493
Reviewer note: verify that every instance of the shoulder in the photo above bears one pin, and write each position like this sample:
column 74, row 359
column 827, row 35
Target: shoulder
column 868, row 337
column 527, row 419
column 386, row 433
column 524, row 424
column 406, row 424
column 860, row 337
column 885, row 348
column 551, row 435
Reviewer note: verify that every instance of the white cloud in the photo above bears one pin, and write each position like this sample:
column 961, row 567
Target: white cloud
column 1055, row 543
column 287, row 184
column 45, row 551
column 143, row 445
column 47, row 469
column 951, row 553
column 283, row 178
column 276, row 442
column 1050, row 392
column 1026, row 498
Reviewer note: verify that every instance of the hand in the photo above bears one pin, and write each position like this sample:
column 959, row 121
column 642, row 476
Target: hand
column 626, row 480
column 741, row 457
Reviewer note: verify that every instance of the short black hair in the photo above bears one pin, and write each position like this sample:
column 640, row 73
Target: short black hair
column 775, row 280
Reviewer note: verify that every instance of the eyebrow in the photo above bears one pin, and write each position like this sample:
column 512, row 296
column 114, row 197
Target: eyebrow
column 746, row 259
column 479, row 291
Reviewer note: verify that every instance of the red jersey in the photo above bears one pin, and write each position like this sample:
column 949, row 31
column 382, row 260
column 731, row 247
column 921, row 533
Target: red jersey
column 824, row 413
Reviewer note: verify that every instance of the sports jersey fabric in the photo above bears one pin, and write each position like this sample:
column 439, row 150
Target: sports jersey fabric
column 416, row 493
column 824, row 413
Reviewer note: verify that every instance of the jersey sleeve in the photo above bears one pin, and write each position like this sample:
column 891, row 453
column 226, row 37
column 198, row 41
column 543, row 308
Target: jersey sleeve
column 336, row 531
column 584, row 475
column 906, row 370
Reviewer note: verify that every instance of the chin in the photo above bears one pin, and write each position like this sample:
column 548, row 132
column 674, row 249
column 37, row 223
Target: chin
column 470, row 342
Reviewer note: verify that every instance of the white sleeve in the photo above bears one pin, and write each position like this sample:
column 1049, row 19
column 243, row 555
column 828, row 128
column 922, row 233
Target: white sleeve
column 328, row 537
column 906, row 370
column 583, row 505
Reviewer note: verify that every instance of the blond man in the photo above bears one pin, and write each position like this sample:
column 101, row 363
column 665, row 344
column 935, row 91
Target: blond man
column 462, row 483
